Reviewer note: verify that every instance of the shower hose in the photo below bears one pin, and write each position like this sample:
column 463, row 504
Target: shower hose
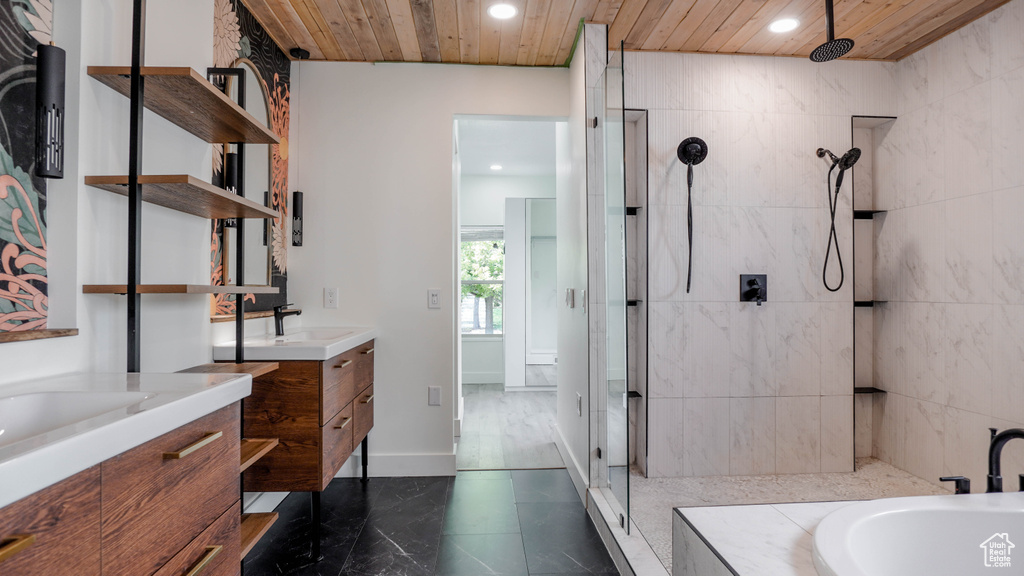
column 689, row 224
column 833, row 202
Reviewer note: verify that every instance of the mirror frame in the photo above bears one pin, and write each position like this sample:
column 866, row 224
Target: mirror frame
column 223, row 305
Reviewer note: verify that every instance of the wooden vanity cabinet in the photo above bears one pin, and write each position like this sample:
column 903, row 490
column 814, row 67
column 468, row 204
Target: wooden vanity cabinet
column 159, row 496
column 58, row 527
column 317, row 412
column 164, row 507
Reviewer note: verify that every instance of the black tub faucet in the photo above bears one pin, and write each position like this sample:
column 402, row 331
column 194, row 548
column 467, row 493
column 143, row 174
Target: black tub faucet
column 995, row 449
column 279, row 314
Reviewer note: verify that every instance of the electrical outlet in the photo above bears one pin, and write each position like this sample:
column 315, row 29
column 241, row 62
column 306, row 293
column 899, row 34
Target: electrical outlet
column 434, row 299
column 579, row 405
column 433, row 395
column 330, row 297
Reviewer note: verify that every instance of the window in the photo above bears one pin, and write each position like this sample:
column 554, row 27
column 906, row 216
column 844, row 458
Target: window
column 482, row 264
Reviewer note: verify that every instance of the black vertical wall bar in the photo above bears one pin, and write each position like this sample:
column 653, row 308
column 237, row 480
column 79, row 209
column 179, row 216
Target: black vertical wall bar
column 134, row 191
column 240, row 240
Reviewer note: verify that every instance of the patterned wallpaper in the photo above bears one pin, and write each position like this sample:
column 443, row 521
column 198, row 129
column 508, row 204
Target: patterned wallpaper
column 237, row 35
column 23, row 281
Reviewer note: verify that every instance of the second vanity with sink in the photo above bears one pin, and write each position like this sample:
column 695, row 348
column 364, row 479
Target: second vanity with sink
column 318, row 404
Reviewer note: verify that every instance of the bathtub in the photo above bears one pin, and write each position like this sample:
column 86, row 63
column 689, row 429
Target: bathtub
column 959, row 535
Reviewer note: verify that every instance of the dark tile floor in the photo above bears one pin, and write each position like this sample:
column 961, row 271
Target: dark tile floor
column 519, row 522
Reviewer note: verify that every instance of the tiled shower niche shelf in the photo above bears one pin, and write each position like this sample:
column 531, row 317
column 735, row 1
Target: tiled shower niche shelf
column 186, row 98
column 178, row 289
column 186, row 194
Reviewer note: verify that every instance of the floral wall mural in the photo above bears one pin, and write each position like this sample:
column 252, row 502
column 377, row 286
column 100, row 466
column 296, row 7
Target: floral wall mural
column 24, row 24
column 237, row 35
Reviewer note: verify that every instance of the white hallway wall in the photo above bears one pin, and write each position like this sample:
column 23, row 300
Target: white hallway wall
column 88, row 228
column 376, row 168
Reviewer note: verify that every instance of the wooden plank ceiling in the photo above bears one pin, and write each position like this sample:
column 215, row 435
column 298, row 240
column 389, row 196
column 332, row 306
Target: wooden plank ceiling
column 543, row 31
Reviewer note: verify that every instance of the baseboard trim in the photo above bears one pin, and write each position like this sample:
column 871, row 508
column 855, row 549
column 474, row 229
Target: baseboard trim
column 579, row 479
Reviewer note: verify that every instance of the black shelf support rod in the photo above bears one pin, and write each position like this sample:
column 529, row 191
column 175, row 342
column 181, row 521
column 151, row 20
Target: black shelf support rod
column 134, row 190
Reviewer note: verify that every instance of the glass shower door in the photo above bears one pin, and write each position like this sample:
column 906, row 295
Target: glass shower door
column 616, row 413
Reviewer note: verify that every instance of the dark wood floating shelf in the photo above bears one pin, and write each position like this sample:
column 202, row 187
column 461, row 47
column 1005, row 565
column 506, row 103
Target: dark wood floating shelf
column 254, row 526
column 256, row 369
column 866, row 214
column 253, row 449
column 187, row 194
column 178, row 289
column 37, row 334
column 868, row 390
column 184, row 97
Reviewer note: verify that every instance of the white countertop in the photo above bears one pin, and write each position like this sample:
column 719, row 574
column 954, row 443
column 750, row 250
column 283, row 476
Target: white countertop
column 759, row 539
column 305, row 343
column 168, row 401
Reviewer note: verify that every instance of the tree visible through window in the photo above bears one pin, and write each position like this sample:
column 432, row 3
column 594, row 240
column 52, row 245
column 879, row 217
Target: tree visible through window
column 483, row 276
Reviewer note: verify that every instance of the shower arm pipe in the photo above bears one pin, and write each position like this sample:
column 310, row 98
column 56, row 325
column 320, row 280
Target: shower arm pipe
column 830, row 19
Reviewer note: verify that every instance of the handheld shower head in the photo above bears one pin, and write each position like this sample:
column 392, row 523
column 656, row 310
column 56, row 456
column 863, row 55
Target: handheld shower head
column 692, row 151
column 844, row 163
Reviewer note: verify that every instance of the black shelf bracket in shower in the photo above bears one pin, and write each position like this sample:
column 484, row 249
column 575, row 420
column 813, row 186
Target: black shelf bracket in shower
column 867, row 303
column 633, row 394
column 634, row 302
column 866, row 214
column 633, row 210
column 868, row 390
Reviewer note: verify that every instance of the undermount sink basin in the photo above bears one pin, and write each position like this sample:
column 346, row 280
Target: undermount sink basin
column 299, row 344
column 28, row 415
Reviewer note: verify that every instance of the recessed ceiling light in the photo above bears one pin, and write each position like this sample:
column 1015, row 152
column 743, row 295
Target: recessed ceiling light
column 502, row 11
column 784, row 25
column 495, row 166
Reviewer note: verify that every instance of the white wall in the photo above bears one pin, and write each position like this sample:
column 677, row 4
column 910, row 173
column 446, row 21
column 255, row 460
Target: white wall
column 88, row 227
column 482, row 198
column 514, row 296
column 573, row 339
column 377, row 173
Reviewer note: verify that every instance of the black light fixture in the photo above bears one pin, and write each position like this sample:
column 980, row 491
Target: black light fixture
column 299, row 53
column 296, row 218
column 50, row 63
column 230, row 180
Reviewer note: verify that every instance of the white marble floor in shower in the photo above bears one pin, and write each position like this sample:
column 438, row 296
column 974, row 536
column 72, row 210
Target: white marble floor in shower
column 651, row 500
column 508, row 430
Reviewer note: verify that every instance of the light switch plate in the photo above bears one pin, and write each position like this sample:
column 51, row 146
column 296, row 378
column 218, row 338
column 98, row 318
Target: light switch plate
column 433, row 395
column 330, row 297
column 434, row 299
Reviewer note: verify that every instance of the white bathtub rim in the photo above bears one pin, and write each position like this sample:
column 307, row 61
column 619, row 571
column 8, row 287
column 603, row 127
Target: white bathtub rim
column 829, row 537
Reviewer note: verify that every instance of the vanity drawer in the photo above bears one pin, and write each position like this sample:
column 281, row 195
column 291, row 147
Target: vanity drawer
column 338, row 376
column 58, row 527
column 362, row 408
column 364, row 366
column 159, row 496
column 336, row 444
column 219, row 547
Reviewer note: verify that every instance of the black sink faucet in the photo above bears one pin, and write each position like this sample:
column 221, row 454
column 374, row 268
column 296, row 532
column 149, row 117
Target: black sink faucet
column 279, row 314
column 995, row 449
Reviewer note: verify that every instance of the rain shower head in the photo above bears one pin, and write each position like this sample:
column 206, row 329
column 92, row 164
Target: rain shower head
column 834, row 47
column 692, row 151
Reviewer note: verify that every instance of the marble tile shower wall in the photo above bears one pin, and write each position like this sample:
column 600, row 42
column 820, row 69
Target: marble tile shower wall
column 949, row 345
column 735, row 388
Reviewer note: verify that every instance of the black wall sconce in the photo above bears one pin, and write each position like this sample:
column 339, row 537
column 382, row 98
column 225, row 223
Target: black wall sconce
column 50, row 63
column 231, row 181
column 296, row 218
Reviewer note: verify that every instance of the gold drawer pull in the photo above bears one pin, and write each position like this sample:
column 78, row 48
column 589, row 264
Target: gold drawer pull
column 343, row 364
column 210, row 437
column 370, row 351
column 343, row 424
column 211, row 553
column 368, row 399
column 13, row 544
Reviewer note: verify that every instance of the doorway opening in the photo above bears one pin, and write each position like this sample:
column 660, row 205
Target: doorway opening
column 505, row 180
